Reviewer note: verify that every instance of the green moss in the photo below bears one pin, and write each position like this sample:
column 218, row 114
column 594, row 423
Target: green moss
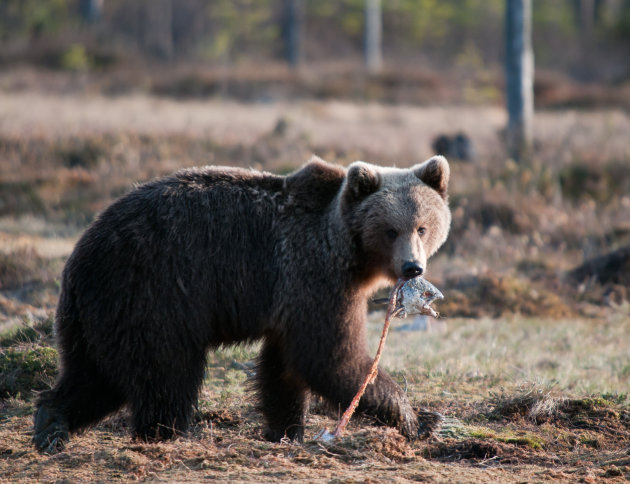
column 24, row 369
column 522, row 439
column 531, row 441
column 617, row 398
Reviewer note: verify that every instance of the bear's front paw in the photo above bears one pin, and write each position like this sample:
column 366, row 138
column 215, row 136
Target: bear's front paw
column 408, row 425
column 428, row 423
column 51, row 431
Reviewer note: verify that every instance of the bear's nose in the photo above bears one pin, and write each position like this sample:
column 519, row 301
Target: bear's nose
column 411, row 270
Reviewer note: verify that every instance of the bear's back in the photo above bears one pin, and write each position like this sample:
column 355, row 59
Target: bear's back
column 189, row 238
column 200, row 235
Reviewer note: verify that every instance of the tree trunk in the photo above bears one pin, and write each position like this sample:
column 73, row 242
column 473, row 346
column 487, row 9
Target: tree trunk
column 373, row 34
column 519, row 76
column 293, row 20
column 91, row 10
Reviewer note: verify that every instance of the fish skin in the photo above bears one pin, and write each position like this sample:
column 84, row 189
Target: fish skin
column 415, row 297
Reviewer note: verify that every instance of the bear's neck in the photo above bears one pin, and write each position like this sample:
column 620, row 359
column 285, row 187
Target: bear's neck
column 361, row 278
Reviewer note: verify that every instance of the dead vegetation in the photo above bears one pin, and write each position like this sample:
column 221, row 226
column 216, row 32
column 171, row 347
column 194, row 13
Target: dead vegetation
column 496, row 295
column 497, row 425
column 512, row 315
column 520, row 433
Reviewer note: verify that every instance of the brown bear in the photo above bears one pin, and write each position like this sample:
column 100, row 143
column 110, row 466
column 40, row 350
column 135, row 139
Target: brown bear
column 215, row 256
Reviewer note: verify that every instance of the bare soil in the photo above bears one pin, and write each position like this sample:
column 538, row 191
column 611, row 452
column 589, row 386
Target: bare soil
column 529, row 368
column 496, row 428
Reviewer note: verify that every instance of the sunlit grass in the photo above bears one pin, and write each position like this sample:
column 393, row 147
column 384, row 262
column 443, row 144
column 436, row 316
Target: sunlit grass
column 579, row 356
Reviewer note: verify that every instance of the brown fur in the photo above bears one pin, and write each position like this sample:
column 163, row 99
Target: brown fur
column 216, row 256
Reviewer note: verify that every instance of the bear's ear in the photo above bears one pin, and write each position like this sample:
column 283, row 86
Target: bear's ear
column 362, row 180
column 435, row 173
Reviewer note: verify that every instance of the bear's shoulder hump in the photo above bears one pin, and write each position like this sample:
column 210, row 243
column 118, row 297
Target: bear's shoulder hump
column 317, row 179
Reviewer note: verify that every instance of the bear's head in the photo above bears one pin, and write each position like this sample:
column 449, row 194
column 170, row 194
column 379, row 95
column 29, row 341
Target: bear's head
column 398, row 217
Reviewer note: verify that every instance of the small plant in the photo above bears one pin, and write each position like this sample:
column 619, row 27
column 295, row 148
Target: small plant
column 20, row 197
column 535, row 404
column 602, row 183
column 81, row 153
column 76, row 59
column 36, row 333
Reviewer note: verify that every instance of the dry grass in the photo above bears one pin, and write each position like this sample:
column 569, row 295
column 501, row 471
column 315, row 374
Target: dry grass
column 533, row 384
column 509, row 417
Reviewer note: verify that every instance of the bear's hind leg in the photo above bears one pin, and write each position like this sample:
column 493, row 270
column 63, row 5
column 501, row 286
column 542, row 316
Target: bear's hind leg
column 81, row 397
column 283, row 398
column 162, row 401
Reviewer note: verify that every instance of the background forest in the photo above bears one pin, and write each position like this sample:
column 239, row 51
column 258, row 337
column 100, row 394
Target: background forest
column 456, row 43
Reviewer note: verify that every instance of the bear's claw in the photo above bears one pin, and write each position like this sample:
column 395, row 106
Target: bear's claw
column 51, row 431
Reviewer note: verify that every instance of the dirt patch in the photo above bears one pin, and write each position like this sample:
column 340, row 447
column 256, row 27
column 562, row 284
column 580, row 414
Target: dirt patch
column 220, row 417
column 479, row 451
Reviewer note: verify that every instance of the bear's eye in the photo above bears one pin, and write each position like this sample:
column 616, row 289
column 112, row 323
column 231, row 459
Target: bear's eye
column 422, row 231
column 392, row 234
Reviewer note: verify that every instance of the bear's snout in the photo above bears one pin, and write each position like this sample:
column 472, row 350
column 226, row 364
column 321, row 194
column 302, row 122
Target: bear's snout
column 411, row 269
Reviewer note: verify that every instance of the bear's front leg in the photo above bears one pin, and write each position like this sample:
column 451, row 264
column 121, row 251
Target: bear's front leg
column 337, row 371
column 388, row 403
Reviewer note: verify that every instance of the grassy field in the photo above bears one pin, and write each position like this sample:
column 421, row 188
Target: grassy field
column 530, row 369
column 523, row 399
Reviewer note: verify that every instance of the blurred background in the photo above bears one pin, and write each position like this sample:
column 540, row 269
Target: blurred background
column 424, row 51
column 528, row 99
